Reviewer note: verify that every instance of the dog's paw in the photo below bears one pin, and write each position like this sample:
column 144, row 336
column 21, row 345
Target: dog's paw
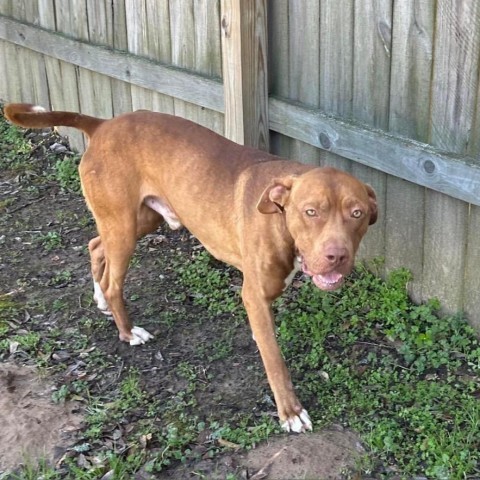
column 140, row 336
column 100, row 299
column 298, row 423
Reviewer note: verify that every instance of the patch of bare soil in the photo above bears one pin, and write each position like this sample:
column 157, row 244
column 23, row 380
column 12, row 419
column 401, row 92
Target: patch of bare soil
column 44, row 268
column 327, row 455
column 32, row 426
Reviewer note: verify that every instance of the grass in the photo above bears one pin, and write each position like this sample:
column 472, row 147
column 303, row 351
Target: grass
column 403, row 377
column 367, row 357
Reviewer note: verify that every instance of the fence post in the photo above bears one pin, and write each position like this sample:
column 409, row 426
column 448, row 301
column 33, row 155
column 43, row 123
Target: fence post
column 244, row 66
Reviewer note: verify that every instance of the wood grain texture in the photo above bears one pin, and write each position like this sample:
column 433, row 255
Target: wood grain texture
column 244, row 59
column 471, row 297
column 371, row 85
column 67, row 18
column 278, row 65
column 117, row 38
column 412, row 53
column 303, row 67
column 94, row 89
column 458, row 176
column 336, row 67
column 454, row 87
column 208, row 57
column 135, row 70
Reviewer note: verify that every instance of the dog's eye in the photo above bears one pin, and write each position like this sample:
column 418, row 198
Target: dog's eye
column 357, row 213
column 311, row 212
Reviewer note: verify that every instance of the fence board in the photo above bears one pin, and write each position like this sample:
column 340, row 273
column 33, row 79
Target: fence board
column 471, row 298
column 244, row 55
column 454, row 175
column 278, row 65
column 304, row 61
column 24, row 58
column 4, row 71
column 412, row 50
column 208, row 57
column 14, row 91
column 184, row 85
column 5, row 68
column 371, row 81
column 336, row 77
column 66, row 16
column 182, row 27
column 117, row 38
column 454, row 86
column 137, row 42
column 94, row 89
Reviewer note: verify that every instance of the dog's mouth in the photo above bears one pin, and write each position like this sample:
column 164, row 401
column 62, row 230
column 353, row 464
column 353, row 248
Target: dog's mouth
column 326, row 281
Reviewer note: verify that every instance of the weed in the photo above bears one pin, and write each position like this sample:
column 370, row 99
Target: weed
column 66, row 173
column 50, row 240
column 210, row 284
column 61, row 278
column 389, row 369
column 34, row 471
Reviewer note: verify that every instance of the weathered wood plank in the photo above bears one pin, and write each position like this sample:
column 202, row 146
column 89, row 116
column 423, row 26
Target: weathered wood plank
column 454, row 86
column 458, row 176
column 471, row 297
column 244, row 57
column 208, row 55
column 182, row 26
column 65, row 21
column 278, row 60
column 117, row 38
column 159, row 47
column 188, row 86
column 24, row 58
column 137, row 44
column 95, row 91
column 371, row 86
column 412, row 50
column 303, row 67
column 148, row 35
column 13, row 88
column 336, row 77
column 4, row 72
column 52, row 65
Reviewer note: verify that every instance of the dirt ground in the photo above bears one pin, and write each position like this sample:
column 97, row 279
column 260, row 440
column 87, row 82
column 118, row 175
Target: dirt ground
column 54, row 286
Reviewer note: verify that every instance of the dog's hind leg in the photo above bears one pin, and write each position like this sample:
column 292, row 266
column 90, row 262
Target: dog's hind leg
column 110, row 259
column 97, row 260
column 117, row 256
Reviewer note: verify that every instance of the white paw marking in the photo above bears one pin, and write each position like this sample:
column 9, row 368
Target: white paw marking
column 140, row 336
column 298, row 424
column 37, row 109
column 100, row 299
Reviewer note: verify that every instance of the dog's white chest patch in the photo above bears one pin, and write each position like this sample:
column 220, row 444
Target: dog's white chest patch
column 296, row 267
column 161, row 207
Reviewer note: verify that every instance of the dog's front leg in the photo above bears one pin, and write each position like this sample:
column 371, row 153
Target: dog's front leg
column 293, row 416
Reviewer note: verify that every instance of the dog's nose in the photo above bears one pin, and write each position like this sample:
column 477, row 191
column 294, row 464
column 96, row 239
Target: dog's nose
column 336, row 255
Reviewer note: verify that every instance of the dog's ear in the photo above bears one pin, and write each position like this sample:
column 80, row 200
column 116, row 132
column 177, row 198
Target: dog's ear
column 372, row 207
column 275, row 196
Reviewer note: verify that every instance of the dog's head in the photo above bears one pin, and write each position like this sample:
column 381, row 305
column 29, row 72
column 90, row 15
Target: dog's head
column 327, row 213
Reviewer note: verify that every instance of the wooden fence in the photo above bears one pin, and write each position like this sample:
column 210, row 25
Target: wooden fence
column 387, row 90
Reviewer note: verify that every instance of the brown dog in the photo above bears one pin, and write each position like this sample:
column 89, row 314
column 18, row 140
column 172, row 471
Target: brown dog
column 266, row 216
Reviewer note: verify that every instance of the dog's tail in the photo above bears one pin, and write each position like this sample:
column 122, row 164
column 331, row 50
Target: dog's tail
column 33, row 116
